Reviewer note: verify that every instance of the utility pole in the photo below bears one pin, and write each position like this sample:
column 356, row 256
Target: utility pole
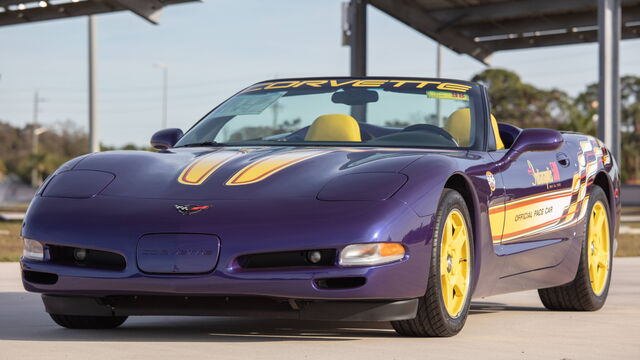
column 36, row 131
column 165, row 92
column 94, row 143
column 276, row 110
column 36, row 180
column 36, row 107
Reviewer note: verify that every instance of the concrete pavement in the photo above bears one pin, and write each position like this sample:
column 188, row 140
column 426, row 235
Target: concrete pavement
column 513, row 326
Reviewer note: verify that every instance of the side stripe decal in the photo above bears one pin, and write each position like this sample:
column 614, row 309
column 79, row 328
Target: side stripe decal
column 522, row 218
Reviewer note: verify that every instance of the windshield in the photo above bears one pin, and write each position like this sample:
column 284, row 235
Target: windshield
column 345, row 112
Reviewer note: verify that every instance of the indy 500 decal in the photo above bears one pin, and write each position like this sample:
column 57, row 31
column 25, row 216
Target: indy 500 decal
column 551, row 210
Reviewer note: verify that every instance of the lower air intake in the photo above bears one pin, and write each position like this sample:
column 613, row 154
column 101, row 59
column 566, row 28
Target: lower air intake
column 340, row 282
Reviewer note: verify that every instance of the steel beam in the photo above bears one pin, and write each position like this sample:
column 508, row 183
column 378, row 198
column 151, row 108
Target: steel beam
column 150, row 10
column 609, row 77
column 514, row 9
column 544, row 23
column 569, row 38
column 444, row 33
column 82, row 8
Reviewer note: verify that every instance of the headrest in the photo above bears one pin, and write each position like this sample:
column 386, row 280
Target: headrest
column 334, row 127
column 459, row 126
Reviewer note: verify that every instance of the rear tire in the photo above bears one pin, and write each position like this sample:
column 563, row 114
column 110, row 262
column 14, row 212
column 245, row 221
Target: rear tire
column 88, row 322
column 434, row 317
column 580, row 294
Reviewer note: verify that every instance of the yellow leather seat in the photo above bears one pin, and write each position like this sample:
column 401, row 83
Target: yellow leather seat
column 459, row 126
column 334, row 127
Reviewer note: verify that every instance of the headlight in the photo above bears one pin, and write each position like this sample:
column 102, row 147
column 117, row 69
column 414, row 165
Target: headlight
column 371, row 254
column 33, row 250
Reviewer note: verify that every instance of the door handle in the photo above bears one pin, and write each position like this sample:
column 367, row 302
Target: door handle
column 563, row 159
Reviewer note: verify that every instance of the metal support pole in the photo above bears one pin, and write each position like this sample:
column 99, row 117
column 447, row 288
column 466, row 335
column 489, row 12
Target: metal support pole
column 94, row 143
column 358, row 43
column 439, row 61
column 609, row 78
column 358, row 37
column 438, row 75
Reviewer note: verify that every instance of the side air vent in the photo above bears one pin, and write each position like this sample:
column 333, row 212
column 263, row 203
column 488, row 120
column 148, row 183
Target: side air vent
column 300, row 258
column 341, row 282
column 40, row 277
column 87, row 258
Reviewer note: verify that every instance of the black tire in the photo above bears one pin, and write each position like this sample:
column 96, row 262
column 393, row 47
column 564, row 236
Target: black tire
column 88, row 322
column 578, row 295
column 432, row 318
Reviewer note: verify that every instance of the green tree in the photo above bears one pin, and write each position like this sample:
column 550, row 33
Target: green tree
column 524, row 105
column 587, row 104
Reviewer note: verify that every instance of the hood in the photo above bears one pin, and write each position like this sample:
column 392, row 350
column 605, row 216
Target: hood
column 239, row 173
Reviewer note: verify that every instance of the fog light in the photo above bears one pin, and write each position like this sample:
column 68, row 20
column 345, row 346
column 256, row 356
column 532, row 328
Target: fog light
column 80, row 254
column 314, row 257
column 371, row 254
column 33, row 250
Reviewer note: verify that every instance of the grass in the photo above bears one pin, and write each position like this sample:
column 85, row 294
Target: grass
column 11, row 245
column 18, row 207
column 628, row 245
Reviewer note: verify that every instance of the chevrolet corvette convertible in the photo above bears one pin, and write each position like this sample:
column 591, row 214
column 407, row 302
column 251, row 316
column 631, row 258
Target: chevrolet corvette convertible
column 373, row 199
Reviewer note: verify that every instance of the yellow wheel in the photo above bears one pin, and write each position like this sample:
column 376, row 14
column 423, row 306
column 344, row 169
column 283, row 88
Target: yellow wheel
column 589, row 289
column 443, row 309
column 598, row 248
column 454, row 263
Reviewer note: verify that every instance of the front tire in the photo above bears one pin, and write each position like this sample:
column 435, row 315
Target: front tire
column 589, row 290
column 443, row 310
column 88, row 322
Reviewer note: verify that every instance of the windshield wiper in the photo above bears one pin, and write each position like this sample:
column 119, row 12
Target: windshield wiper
column 204, row 143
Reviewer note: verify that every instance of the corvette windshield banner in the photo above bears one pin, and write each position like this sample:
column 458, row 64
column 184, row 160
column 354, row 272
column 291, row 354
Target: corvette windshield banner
column 369, row 83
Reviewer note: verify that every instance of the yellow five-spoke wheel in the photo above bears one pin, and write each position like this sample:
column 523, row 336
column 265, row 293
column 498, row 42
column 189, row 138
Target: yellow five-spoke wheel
column 588, row 290
column 598, row 248
column 454, row 263
column 443, row 310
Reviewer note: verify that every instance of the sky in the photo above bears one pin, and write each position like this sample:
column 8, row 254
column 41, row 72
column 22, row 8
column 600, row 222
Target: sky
column 215, row 48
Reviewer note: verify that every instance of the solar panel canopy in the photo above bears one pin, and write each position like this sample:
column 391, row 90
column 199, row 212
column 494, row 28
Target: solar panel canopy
column 14, row 12
column 481, row 27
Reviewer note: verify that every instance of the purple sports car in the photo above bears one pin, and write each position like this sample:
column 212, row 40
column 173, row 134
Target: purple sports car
column 387, row 199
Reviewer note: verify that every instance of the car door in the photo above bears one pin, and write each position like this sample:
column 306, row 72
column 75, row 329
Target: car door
column 536, row 210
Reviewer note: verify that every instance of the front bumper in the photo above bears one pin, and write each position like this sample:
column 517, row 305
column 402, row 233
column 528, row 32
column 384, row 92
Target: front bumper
column 232, row 306
column 116, row 225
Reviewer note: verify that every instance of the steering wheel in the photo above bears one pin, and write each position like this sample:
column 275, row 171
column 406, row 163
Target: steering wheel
column 432, row 128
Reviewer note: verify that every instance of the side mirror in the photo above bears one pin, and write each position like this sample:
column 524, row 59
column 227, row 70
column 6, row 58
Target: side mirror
column 166, row 138
column 535, row 140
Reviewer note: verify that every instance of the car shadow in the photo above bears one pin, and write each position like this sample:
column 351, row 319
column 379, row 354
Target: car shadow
column 23, row 318
column 483, row 307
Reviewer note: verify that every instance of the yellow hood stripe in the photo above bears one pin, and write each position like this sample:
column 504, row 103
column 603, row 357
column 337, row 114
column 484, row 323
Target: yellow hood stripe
column 199, row 170
column 270, row 165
